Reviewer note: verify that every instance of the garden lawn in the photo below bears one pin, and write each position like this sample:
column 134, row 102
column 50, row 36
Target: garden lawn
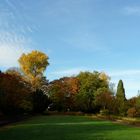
column 68, row 128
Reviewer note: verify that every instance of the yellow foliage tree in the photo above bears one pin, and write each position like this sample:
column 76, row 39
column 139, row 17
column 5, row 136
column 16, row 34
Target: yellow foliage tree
column 33, row 66
column 103, row 76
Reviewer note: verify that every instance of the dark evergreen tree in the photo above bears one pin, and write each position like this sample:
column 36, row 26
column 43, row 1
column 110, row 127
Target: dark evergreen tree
column 121, row 99
column 120, row 91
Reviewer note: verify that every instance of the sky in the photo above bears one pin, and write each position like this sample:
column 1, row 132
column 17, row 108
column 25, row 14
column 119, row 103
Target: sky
column 77, row 35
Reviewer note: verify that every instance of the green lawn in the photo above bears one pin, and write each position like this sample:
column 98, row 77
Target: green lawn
column 68, row 128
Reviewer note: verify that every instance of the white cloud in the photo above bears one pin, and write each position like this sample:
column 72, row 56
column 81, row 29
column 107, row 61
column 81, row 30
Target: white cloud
column 14, row 33
column 131, row 79
column 84, row 40
column 9, row 54
column 131, row 10
column 12, row 45
column 131, row 86
column 125, row 73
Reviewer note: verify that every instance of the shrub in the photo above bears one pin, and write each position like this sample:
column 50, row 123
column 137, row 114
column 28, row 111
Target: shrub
column 132, row 112
column 104, row 112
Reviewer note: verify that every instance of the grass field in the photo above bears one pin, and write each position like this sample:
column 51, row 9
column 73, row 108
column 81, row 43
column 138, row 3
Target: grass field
column 68, row 128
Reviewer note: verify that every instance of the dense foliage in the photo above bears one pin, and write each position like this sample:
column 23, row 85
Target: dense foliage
column 90, row 84
column 62, row 92
column 33, row 65
column 14, row 94
column 121, row 99
column 26, row 90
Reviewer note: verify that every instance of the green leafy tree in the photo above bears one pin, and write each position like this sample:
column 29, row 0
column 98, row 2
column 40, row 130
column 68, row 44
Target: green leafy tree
column 89, row 84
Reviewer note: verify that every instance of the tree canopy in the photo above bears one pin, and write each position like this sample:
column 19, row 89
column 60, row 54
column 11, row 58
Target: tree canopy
column 120, row 91
column 33, row 65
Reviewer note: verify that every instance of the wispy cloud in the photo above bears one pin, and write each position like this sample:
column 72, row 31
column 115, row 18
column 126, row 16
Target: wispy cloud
column 14, row 33
column 125, row 73
column 131, row 10
column 12, row 45
column 84, row 40
column 65, row 8
column 8, row 37
column 131, row 79
column 17, row 17
column 81, row 40
column 67, row 72
column 9, row 55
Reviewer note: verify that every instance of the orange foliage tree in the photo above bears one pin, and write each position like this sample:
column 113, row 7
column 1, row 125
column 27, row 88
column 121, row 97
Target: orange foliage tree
column 62, row 93
column 14, row 94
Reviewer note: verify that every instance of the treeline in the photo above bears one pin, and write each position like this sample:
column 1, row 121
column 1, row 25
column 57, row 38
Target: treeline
column 26, row 90
column 91, row 92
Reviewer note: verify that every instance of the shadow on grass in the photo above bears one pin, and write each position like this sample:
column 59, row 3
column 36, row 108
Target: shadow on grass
column 68, row 128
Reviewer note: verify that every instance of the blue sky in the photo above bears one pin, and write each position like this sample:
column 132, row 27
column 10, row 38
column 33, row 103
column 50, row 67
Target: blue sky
column 77, row 35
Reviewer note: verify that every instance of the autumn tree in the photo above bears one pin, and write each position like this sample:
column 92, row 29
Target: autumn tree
column 14, row 94
column 136, row 104
column 62, row 93
column 104, row 100
column 33, row 66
